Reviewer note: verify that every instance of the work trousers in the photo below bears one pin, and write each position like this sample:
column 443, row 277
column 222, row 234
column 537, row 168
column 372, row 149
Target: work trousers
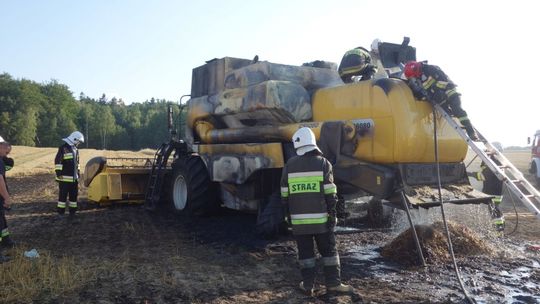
column 67, row 190
column 326, row 245
column 4, row 232
column 452, row 106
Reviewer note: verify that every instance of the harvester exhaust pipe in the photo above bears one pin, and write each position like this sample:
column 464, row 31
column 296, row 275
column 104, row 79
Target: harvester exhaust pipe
column 208, row 134
column 170, row 124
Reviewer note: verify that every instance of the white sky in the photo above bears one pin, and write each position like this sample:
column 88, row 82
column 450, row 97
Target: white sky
column 142, row 49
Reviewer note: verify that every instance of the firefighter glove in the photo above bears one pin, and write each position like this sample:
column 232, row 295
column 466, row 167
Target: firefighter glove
column 331, row 222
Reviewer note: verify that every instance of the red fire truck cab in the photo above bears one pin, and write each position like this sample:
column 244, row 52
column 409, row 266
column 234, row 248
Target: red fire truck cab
column 535, row 162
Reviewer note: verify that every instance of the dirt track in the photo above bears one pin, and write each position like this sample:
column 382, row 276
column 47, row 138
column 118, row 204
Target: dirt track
column 132, row 256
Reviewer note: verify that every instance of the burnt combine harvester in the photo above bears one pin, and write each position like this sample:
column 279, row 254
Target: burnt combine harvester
column 243, row 113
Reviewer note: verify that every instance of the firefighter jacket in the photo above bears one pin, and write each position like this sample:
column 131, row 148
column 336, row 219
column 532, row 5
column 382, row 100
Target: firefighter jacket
column 438, row 87
column 307, row 186
column 8, row 162
column 2, row 175
column 66, row 164
column 492, row 185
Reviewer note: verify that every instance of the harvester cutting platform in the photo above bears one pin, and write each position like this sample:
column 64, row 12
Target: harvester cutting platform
column 240, row 120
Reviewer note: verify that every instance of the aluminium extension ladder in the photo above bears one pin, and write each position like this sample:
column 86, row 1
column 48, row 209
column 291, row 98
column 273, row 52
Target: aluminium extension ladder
column 506, row 171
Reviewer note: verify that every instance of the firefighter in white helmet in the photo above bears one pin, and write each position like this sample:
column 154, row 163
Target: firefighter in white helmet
column 307, row 187
column 67, row 169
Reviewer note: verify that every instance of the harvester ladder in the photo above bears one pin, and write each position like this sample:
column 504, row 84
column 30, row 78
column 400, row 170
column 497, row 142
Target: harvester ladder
column 500, row 166
column 155, row 180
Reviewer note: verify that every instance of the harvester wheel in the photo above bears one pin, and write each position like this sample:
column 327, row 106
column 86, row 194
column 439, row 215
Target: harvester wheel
column 380, row 215
column 271, row 217
column 192, row 191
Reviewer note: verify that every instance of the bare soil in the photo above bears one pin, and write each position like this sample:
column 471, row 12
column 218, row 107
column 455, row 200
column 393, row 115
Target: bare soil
column 133, row 256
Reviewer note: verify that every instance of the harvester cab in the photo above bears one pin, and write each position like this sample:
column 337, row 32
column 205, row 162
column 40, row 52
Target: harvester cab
column 391, row 57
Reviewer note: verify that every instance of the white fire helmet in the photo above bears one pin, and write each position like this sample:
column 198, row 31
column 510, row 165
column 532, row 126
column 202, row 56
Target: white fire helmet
column 1, row 139
column 74, row 138
column 304, row 141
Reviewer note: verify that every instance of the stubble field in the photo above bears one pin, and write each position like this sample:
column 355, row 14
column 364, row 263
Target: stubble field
column 123, row 254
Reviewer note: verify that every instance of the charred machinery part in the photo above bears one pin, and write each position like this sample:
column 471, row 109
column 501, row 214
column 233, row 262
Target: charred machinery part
column 380, row 215
column 271, row 216
column 93, row 167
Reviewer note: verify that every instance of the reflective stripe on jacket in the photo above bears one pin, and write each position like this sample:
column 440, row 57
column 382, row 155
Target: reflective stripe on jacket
column 307, row 186
column 437, row 84
column 66, row 164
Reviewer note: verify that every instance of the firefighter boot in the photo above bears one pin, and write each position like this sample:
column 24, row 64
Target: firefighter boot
column 4, row 258
column 61, row 208
column 308, row 280
column 333, row 280
column 499, row 224
column 72, row 208
column 7, row 242
column 497, row 216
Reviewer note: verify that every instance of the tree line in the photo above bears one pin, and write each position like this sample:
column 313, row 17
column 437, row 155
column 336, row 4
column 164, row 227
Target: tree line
column 41, row 114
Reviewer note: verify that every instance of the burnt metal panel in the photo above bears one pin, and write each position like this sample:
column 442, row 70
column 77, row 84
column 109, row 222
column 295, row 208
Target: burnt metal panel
column 428, row 196
column 392, row 54
column 209, row 79
column 310, row 78
column 386, row 84
column 374, row 179
column 235, row 164
column 426, row 174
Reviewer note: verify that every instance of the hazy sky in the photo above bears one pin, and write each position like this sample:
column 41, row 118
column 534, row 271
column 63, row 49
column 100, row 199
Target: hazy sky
column 142, row 49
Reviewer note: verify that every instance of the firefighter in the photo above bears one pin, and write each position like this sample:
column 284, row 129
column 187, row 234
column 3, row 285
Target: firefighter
column 356, row 65
column 429, row 82
column 492, row 186
column 9, row 163
column 308, row 190
column 5, row 200
column 67, row 173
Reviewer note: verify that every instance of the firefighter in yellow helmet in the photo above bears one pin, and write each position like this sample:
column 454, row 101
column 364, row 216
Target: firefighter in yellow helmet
column 356, row 65
column 67, row 169
column 308, row 189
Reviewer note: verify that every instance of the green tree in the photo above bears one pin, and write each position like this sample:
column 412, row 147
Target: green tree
column 105, row 124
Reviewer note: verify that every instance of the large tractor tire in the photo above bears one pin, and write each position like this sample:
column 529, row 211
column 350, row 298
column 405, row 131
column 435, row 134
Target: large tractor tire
column 191, row 190
column 380, row 215
column 271, row 217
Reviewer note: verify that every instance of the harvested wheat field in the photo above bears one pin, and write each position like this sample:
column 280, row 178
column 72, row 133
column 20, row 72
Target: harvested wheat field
column 124, row 254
